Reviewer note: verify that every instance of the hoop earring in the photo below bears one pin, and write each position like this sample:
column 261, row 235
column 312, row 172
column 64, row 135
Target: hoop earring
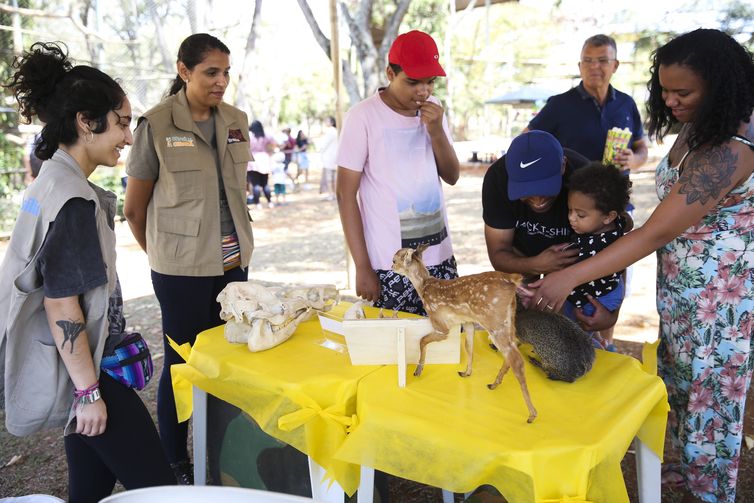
column 89, row 137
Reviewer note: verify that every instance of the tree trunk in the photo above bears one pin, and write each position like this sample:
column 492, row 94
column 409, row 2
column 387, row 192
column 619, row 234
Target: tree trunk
column 168, row 64
column 240, row 99
column 372, row 59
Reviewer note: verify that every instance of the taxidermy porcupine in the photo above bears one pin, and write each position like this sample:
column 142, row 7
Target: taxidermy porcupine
column 563, row 350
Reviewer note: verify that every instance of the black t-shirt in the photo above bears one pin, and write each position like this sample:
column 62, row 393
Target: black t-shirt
column 70, row 262
column 534, row 232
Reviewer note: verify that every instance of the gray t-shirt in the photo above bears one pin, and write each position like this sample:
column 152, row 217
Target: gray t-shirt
column 144, row 164
column 70, row 263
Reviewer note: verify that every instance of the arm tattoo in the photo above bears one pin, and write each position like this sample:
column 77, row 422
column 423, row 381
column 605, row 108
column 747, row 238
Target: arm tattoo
column 71, row 330
column 707, row 174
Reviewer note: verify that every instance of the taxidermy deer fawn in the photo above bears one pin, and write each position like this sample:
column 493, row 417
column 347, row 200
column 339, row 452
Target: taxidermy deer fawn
column 488, row 299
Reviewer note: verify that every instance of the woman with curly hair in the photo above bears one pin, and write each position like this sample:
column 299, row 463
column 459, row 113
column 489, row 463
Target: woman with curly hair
column 703, row 232
column 61, row 308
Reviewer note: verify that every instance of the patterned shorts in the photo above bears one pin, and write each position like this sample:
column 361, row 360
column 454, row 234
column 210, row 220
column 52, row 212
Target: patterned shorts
column 397, row 292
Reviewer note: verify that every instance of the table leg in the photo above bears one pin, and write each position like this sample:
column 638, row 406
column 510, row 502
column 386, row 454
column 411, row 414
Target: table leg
column 449, row 497
column 401, row 338
column 366, row 485
column 200, row 437
column 321, row 489
column 648, row 473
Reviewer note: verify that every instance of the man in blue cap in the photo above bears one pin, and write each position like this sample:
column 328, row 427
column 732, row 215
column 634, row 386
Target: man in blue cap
column 525, row 212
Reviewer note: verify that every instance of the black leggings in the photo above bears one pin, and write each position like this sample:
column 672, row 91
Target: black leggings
column 128, row 451
column 258, row 182
column 189, row 306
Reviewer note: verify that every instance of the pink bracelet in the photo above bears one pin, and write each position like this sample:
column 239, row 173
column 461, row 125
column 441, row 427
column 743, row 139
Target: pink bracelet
column 85, row 396
column 87, row 391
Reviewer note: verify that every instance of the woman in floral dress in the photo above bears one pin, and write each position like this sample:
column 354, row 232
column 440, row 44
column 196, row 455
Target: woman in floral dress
column 703, row 232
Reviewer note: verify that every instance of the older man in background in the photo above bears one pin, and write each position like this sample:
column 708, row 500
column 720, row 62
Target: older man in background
column 581, row 117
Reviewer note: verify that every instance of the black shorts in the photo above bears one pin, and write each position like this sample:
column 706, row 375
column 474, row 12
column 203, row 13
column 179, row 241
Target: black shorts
column 397, row 292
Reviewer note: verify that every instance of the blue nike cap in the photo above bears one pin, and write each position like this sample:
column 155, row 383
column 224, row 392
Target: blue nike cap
column 533, row 162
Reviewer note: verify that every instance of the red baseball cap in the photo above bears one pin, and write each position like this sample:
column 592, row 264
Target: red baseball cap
column 416, row 53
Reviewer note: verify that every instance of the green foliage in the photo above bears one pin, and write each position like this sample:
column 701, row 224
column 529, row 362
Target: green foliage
column 737, row 20
column 312, row 98
column 11, row 154
column 430, row 16
column 110, row 179
column 489, row 58
column 11, row 177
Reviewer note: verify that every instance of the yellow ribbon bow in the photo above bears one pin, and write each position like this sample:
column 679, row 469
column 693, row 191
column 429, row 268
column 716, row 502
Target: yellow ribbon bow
column 306, row 413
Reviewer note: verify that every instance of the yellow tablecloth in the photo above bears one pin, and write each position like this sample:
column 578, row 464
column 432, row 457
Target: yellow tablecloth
column 454, row 433
column 441, row 429
column 298, row 392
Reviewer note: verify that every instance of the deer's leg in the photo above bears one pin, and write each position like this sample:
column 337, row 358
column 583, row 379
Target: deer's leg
column 435, row 336
column 514, row 360
column 501, row 374
column 468, row 333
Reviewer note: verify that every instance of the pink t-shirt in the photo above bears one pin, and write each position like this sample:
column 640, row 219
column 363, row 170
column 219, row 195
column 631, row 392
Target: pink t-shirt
column 400, row 195
column 260, row 151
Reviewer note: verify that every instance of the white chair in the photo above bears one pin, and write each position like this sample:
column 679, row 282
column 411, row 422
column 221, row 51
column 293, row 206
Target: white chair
column 32, row 498
column 201, row 494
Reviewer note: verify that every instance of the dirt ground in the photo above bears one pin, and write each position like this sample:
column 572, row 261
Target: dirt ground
column 301, row 242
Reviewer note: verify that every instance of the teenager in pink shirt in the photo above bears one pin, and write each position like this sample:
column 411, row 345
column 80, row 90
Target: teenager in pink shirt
column 394, row 149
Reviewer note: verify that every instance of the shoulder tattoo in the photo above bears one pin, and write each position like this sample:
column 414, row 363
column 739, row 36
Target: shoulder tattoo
column 707, row 174
column 71, row 330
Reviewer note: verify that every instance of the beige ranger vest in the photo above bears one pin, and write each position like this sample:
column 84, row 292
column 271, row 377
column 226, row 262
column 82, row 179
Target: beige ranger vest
column 183, row 216
column 34, row 382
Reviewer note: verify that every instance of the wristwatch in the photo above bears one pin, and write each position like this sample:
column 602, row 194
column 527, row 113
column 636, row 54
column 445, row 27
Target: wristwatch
column 91, row 397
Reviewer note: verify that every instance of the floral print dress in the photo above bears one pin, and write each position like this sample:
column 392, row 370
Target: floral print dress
column 705, row 299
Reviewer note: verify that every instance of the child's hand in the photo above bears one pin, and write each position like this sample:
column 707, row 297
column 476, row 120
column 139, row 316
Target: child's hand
column 601, row 319
column 430, row 114
column 367, row 284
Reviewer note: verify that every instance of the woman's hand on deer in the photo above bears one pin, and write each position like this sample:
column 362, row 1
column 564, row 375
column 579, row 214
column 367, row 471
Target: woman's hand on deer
column 550, row 292
column 524, row 295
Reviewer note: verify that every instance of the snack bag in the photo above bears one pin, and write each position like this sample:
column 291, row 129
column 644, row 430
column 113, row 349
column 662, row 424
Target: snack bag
column 617, row 140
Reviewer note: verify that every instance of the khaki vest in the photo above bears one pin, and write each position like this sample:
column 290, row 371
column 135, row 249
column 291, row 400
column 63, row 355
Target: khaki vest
column 35, row 385
column 183, row 216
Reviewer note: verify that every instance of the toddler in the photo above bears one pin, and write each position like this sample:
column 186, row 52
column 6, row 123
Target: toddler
column 279, row 176
column 597, row 198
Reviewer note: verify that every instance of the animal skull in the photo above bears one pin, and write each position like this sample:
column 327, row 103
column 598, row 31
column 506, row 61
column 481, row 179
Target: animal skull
column 263, row 317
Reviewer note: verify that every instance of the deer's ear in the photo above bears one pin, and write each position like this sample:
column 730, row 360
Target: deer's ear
column 420, row 249
column 408, row 257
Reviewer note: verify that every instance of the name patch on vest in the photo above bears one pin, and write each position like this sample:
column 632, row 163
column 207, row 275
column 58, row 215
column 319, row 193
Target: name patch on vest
column 179, row 141
column 30, row 205
column 235, row 136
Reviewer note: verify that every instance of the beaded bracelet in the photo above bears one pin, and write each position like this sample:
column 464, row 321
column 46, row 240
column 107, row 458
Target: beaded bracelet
column 85, row 396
